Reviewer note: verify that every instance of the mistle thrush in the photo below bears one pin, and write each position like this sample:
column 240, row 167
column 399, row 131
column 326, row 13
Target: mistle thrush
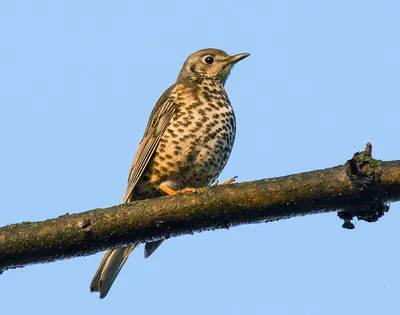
column 187, row 143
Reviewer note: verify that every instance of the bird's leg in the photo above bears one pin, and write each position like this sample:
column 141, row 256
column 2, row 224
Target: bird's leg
column 168, row 190
column 172, row 192
column 227, row 182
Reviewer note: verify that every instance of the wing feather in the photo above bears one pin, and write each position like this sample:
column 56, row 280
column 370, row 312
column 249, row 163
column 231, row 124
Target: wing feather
column 158, row 122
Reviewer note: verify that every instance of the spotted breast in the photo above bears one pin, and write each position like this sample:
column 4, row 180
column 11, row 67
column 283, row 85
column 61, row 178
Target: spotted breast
column 197, row 142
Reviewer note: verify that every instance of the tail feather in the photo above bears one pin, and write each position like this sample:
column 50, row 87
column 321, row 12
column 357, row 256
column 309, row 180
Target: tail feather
column 95, row 284
column 150, row 247
column 109, row 268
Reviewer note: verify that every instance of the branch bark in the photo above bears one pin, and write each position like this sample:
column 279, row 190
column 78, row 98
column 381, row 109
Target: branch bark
column 360, row 187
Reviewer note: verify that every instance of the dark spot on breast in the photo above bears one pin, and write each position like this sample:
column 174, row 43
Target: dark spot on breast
column 204, row 119
column 207, row 97
column 211, row 125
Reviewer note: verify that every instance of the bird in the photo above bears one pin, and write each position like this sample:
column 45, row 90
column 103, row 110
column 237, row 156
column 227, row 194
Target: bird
column 186, row 144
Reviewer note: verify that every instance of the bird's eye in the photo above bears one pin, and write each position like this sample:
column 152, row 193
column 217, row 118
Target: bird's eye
column 209, row 60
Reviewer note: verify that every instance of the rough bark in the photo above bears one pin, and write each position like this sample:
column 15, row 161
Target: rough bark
column 360, row 188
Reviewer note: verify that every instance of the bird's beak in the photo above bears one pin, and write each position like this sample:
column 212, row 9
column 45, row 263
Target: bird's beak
column 236, row 58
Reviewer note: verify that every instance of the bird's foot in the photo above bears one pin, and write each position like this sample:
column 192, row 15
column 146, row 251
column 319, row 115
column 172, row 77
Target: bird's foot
column 172, row 192
column 189, row 189
column 227, row 182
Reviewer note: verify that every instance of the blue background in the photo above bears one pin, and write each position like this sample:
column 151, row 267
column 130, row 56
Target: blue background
column 78, row 80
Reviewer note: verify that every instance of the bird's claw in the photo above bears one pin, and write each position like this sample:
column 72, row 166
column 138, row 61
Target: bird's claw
column 227, row 182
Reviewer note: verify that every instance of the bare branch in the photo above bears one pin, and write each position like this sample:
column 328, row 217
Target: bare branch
column 359, row 188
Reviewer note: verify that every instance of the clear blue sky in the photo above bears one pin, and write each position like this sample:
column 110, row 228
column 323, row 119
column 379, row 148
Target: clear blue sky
column 78, row 80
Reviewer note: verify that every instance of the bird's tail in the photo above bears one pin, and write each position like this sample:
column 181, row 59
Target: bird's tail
column 150, row 247
column 109, row 268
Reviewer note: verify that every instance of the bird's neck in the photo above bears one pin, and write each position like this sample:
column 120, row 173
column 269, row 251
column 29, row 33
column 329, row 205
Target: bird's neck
column 203, row 80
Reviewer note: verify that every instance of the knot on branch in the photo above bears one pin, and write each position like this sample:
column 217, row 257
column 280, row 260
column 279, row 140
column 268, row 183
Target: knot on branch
column 364, row 172
column 86, row 226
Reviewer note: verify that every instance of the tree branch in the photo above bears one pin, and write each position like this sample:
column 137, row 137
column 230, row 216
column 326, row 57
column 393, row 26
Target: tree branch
column 360, row 188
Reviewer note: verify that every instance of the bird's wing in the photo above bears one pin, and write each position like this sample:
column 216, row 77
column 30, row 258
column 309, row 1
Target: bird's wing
column 158, row 122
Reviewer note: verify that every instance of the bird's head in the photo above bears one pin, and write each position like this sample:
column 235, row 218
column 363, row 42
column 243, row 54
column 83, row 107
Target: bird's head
column 211, row 63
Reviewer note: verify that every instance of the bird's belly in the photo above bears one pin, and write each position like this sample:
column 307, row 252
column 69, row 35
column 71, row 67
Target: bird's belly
column 193, row 154
column 196, row 165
